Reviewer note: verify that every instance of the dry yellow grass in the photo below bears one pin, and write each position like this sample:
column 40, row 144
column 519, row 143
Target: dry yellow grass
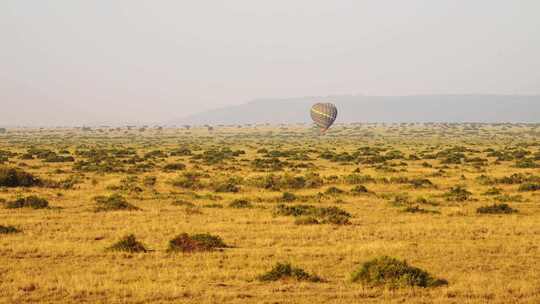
column 60, row 256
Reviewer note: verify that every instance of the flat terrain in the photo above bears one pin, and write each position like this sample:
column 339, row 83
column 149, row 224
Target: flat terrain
column 422, row 187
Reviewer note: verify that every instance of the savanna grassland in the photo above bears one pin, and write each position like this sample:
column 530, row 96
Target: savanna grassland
column 261, row 214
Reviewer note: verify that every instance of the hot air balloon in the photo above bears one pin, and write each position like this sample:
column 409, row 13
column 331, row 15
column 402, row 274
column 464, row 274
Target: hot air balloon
column 324, row 115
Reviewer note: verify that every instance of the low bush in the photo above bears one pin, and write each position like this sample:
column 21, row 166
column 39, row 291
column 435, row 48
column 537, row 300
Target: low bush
column 183, row 203
column 213, row 206
column 529, row 187
column 394, row 273
column 198, row 242
column 417, row 209
column 496, row 209
column 284, row 271
column 306, row 220
column 358, row 189
column 128, row 244
column 240, row 203
column 32, row 201
column 325, row 215
column 8, row 229
column 288, row 197
column 333, row 191
column 224, row 187
column 458, row 194
column 14, row 177
column 114, row 202
column 174, row 167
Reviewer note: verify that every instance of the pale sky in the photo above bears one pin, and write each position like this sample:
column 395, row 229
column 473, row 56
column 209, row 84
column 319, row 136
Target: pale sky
column 111, row 62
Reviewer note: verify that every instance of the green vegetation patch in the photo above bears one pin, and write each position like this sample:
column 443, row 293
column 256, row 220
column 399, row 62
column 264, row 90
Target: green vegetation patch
column 391, row 272
column 128, row 244
column 31, row 201
column 197, row 242
column 8, row 229
column 14, row 177
column 496, row 209
column 114, row 202
column 325, row 215
column 285, row 271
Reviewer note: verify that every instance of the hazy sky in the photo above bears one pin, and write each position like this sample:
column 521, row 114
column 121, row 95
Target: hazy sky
column 87, row 62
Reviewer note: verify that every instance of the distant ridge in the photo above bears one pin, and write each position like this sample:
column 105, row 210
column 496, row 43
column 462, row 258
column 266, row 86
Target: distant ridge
column 359, row 108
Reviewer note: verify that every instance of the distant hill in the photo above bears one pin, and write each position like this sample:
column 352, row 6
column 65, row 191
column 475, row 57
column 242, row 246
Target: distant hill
column 421, row 108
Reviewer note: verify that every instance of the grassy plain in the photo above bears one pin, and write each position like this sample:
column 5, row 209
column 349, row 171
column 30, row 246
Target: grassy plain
column 445, row 170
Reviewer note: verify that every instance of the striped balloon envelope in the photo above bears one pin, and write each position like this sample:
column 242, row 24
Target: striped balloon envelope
column 324, row 115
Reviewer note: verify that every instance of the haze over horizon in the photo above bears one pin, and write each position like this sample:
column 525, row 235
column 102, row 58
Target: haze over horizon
column 100, row 62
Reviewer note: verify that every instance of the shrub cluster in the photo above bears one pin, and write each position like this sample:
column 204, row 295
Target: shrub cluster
column 394, row 273
column 197, row 242
column 31, row 201
column 284, row 271
column 113, row 203
column 14, row 177
column 313, row 215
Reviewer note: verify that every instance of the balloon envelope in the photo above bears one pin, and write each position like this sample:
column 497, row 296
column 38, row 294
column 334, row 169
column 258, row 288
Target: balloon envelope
column 323, row 114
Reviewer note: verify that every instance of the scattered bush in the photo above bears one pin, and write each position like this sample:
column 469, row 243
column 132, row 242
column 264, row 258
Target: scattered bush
column 417, row 209
column 226, row 187
column 8, row 229
column 529, row 187
column 183, row 203
column 284, row 271
column 113, row 203
column 328, row 215
column 128, row 244
column 198, row 242
column 149, row 181
column 32, row 201
column 174, row 167
column 14, row 177
column 333, row 191
column 496, row 209
column 394, row 273
column 306, row 220
column 213, row 206
column 288, row 197
column 240, row 203
column 458, row 194
column 359, row 189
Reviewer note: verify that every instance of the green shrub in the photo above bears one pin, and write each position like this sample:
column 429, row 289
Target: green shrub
column 394, row 273
column 526, row 163
column 213, row 206
column 288, row 197
column 358, row 189
column 128, row 244
column 417, row 209
column 226, row 187
column 32, row 201
column 328, row 215
column 113, row 203
column 306, row 220
column 458, row 194
column 174, row 167
column 493, row 191
column 14, row 177
column 240, row 203
column 8, row 229
column 529, row 187
column 333, row 191
column 198, row 242
column 189, row 180
column 183, row 203
column 149, row 181
column 496, row 209
column 284, row 271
